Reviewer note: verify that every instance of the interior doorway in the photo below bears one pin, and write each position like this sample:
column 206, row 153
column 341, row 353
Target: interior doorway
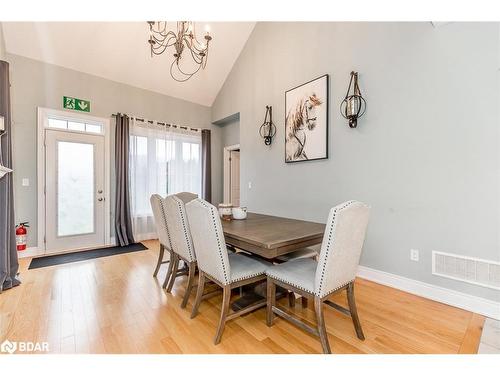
column 232, row 175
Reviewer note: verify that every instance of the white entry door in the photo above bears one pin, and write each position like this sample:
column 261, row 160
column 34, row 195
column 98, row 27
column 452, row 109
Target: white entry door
column 74, row 190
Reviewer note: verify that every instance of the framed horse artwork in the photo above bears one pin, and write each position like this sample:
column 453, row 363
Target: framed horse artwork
column 306, row 121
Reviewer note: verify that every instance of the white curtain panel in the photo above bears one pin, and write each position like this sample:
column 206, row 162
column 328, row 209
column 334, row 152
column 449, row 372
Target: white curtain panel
column 164, row 161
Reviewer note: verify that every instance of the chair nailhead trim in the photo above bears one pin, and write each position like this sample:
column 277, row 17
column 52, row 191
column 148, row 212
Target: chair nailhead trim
column 328, row 247
column 164, row 220
column 214, row 221
column 292, row 284
column 248, row 276
column 187, row 235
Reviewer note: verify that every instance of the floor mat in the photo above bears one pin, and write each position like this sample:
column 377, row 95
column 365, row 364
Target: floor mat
column 54, row 260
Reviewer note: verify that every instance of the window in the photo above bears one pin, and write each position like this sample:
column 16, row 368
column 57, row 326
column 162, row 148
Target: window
column 74, row 125
column 161, row 162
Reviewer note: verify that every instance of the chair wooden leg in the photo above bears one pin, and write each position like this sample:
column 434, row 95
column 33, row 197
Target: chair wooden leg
column 271, row 301
column 199, row 294
column 354, row 311
column 189, row 287
column 169, row 270
column 291, row 299
column 160, row 260
column 223, row 313
column 175, row 268
column 323, row 335
column 304, row 302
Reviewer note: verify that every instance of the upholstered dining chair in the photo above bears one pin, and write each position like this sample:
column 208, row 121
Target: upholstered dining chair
column 334, row 272
column 308, row 252
column 180, row 239
column 163, row 237
column 228, row 270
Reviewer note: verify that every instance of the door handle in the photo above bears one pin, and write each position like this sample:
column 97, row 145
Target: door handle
column 100, row 199
column 99, row 191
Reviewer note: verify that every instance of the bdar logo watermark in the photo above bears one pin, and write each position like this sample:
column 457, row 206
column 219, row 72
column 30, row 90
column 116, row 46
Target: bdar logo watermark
column 11, row 347
column 8, row 347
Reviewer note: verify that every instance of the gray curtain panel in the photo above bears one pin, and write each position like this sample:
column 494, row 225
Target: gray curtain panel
column 206, row 169
column 9, row 265
column 123, row 222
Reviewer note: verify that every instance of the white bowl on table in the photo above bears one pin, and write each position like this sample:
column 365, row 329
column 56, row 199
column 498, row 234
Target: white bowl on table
column 239, row 213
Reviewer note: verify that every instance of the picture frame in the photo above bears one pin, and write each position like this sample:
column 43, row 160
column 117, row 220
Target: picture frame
column 307, row 121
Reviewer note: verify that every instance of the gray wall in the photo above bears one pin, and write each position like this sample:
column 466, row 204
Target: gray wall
column 425, row 155
column 36, row 84
column 230, row 133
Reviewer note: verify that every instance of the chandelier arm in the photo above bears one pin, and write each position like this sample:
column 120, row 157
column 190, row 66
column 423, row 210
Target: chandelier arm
column 171, row 40
column 188, row 41
column 158, row 50
column 197, row 48
column 187, row 76
column 197, row 58
column 204, row 62
column 164, row 37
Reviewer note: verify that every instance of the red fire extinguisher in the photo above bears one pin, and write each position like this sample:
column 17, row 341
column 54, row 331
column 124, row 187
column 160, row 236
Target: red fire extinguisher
column 21, row 235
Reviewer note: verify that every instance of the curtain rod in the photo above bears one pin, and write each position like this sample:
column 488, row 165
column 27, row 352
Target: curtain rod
column 161, row 123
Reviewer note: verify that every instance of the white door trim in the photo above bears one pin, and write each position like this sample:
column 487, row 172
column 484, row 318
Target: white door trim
column 42, row 114
column 227, row 173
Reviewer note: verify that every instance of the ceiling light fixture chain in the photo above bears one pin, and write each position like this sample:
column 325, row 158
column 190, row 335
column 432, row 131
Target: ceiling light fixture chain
column 160, row 38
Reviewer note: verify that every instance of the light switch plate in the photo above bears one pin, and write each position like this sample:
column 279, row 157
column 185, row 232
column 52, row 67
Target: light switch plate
column 26, row 182
column 414, row 255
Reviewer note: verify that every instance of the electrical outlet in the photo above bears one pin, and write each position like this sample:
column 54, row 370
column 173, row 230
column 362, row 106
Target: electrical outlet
column 414, row 255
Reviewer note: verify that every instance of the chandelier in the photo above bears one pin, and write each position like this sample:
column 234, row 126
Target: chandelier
column 183, row 40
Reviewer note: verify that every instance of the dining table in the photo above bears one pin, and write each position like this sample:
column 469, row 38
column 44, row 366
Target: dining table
column 269, row 237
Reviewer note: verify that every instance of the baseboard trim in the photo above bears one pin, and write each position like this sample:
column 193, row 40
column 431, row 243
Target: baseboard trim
column 29, row 252
column 145, row 236
column 450, row 297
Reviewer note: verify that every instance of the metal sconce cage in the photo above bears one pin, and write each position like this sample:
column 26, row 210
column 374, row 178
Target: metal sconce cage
column 268, row 130
column 354, row 105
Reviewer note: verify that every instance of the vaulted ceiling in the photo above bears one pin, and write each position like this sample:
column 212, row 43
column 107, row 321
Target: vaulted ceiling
column 119, row 51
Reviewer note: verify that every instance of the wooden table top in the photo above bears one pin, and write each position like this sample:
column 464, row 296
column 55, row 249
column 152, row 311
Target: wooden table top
column 272, row 236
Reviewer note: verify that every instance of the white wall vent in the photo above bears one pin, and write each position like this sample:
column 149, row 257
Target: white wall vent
column 467, row 269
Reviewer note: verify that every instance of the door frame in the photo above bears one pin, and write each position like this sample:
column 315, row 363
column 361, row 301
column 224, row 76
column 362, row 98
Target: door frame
column 226, row 183
column 42, row 114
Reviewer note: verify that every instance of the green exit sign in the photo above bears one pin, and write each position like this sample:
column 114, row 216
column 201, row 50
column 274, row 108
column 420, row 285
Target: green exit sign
column 76, row 104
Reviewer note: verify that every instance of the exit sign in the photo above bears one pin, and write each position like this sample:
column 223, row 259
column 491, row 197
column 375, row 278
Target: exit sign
column 76, row 104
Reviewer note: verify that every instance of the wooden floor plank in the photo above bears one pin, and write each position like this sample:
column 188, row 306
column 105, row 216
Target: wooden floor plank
column 114, row 305
column 472, row 336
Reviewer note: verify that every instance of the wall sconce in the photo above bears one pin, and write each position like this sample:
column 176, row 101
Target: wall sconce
column 354, row 105
column 267, row 129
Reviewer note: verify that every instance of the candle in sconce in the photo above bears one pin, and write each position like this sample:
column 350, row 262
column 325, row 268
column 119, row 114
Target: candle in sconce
column 352, row 107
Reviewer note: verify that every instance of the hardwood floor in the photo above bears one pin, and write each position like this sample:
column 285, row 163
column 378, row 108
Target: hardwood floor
column 114, row 305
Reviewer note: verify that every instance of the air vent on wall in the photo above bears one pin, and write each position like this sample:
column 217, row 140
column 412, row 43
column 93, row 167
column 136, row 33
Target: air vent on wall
column 470, row 270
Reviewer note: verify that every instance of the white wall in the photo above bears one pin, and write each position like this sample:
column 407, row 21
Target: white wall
column 35, row 84
column 425, row 155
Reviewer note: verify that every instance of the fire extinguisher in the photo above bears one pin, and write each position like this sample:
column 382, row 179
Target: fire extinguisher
column 21, row 235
